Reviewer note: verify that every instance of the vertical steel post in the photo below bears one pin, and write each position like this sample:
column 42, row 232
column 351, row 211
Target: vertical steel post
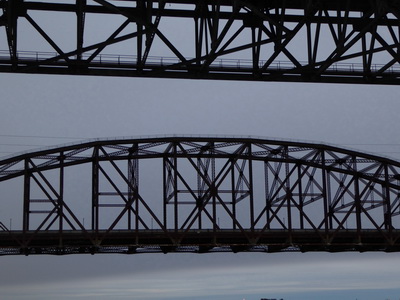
column 27, row 188
column 309, row 42
column 357, row 199
column 288, row 194
column 12, row 22
column 251, row 187
column 200, row 192
column 329, row 192
column 95, row 191
column 80, row 13
column 214, row 192
column 387, row 203
column 165, row 190
column 139, row 44
column 61, row 197
column 301, row 200
column 324, row 192
column 198, row 35
column 133, row 187
column 267, row 195
column 176, row 209
column 234, row 193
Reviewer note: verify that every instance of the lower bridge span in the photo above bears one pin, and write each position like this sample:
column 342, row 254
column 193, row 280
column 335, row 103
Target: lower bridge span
column 197, row 194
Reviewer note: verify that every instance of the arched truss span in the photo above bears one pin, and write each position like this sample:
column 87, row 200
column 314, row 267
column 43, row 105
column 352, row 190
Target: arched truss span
column 199, row 194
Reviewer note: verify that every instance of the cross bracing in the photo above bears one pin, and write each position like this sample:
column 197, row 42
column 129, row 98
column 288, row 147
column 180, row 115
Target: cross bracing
column 198, row 194
column 343, row 41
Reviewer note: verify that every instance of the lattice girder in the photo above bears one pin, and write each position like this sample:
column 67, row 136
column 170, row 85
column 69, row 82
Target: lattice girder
column 346, row 41
column 204, row 191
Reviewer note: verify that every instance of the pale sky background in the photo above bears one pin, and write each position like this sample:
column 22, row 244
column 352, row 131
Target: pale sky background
column 362, row 117
column 41, row 110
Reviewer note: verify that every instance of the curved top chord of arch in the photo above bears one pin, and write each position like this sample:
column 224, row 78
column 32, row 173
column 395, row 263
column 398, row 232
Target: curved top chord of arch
column 200, row 194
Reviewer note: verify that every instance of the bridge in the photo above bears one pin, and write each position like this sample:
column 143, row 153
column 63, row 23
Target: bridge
column 197, row 194
column 341, row 41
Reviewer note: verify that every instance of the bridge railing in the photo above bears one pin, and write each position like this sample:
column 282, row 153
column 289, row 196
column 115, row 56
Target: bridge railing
column 225, row 63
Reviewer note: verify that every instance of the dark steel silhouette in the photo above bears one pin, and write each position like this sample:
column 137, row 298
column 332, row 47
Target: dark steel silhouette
column 341, row 41
column 199, row 194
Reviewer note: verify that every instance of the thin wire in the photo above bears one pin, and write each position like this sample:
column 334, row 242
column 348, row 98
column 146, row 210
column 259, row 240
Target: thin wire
column 21, row 145
column 41, row 137
column 371, row 144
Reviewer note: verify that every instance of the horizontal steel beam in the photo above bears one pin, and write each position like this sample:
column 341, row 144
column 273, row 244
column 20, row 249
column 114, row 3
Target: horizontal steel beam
column 197, row 241
column 352, row 5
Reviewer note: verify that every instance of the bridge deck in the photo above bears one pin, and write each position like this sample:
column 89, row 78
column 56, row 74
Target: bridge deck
column 200, row 241
column 222, row 69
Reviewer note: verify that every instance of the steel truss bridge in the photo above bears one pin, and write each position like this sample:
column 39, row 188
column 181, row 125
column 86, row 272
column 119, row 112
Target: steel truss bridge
column 340, row 41
column 198, row 194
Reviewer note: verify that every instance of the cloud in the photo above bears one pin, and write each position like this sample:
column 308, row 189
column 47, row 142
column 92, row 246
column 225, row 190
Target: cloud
column 260, row 275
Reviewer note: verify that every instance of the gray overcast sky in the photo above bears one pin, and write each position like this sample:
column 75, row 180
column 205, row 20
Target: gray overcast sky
column 92, row 107
column 63, row 109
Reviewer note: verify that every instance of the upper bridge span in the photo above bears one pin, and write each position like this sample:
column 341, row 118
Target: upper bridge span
column 342, row 41
column 198, row 194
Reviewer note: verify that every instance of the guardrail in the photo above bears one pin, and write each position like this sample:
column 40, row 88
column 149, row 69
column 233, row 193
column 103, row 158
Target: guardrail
column 221, row 63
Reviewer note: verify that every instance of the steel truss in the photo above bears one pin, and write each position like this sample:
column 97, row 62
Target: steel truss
column 342, row 41
column 200, row 194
